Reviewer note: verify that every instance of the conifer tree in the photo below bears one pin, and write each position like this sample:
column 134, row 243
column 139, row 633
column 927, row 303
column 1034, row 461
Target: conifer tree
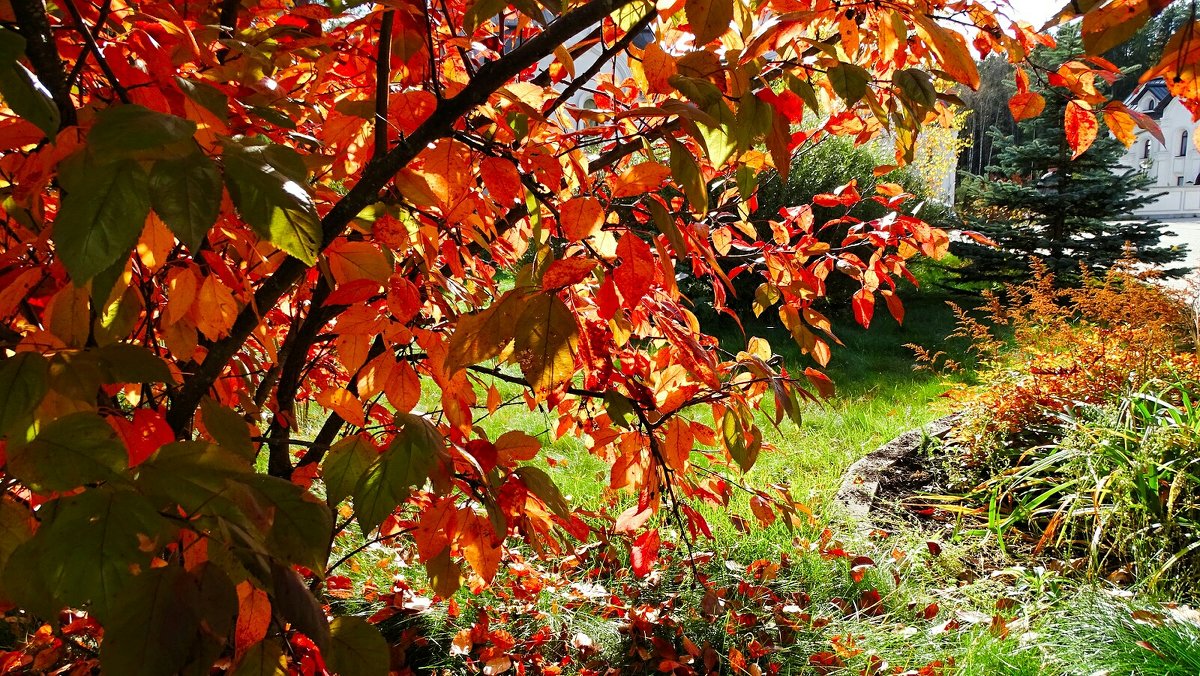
column 1036, row 199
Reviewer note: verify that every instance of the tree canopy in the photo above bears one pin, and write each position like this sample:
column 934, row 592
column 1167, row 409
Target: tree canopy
column 216, row 213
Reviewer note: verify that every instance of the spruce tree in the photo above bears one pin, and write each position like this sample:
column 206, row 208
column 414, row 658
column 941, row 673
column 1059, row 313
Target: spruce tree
column 1035, row 200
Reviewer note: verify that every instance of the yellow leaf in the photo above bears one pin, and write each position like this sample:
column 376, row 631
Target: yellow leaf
column 67, row 315
column 546, row 344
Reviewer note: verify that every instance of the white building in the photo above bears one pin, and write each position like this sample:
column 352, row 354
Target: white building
column 1174, row 167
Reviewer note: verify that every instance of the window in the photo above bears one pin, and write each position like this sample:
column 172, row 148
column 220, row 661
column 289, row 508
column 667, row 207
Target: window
column 1146, row 150
column 1179, row 181
column 1150, row 103
column 1183, row 144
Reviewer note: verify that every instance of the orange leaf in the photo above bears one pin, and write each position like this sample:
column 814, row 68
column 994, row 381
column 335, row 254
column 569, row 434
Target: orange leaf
column 893, row 304
column 479, row 544
column 864, row 307
column 951, row 50
column 820, row 381
column 1121, row 124
column 345, row 404
column 215, row 308
column 502, row 180
column 708, row 19
column 254, row 617
column 435, row 529
column 1026, row 105
column 403, row 387
column 580, row 218
column 516, row 446
column 658, row 66
column 407, row 110
column 1081, row 127
column 640, row 179
column 1113, row 23
column 567, row 272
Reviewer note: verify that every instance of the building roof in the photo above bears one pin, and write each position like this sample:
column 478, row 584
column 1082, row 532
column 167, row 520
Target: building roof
column 1158, row 88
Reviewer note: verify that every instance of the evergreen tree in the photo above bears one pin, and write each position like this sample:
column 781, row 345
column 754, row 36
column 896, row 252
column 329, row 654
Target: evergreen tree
column 1035, row 200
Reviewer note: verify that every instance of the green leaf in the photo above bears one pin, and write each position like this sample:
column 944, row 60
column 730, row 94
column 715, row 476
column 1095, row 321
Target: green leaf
column 186, row 194
column 102, row 214
column 131, row 130
column 21, row 89
column 129, row 363
column 540, row 484
column 227, row 428
column 24, row 380
column 264, row 658
column 686, row 171
column 743, row 440
column 267, row 184
column 620, row 409
column 301, row 526
column 16, row 528
column 849, row 82
column 916, row 87
column 118, row 319
column 91, row 545
column 68, row 452
column 406, row 463
column 720, row 140
column 357, row 649
column 480, row 11
column 196, row 477
column 292, row 599
column 345, row 465
column 169, row 619
column 207, row 96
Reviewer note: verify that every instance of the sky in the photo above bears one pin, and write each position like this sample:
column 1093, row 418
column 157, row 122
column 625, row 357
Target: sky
column 1036, row 12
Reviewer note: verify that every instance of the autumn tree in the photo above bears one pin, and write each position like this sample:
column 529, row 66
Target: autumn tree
column 215, row 214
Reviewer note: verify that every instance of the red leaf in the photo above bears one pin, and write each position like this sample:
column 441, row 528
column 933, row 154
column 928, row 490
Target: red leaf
column 644, row 553
column 894, row 305
column 567, row 272
column 635, row 273
column 145, row 434
column 1081, row 126
column 864, row 307
column 820, row 381
column 502, row 180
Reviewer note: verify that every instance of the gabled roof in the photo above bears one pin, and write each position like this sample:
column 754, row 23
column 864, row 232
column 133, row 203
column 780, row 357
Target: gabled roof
column 1156, row 87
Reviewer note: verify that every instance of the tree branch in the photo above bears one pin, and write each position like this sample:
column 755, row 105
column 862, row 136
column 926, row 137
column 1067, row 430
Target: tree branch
column 375, row 176
column 34, row 26
column 94, row 48
column 383, row 82
column 608, row 54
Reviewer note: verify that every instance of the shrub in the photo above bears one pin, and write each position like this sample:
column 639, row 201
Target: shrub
column 1081, row 440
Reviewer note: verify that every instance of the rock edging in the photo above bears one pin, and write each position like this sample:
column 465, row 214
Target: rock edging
column 860, row 483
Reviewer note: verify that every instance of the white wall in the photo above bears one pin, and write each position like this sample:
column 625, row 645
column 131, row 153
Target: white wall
column 1167, row 166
